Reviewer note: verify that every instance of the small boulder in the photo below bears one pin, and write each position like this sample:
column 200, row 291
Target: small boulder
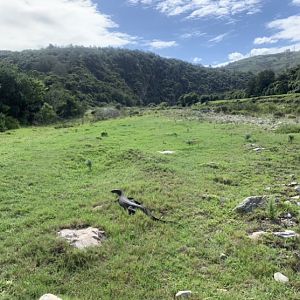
column 280, row 277
column 249, row 204
column 223, row 256
column 256, row 235
column 49, row 297
column 297, row 189
column 183, row 294
column 166, row 152
column 286, row 234
column 83, row 238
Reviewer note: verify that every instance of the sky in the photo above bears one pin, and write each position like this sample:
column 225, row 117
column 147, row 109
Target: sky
column 207, row 32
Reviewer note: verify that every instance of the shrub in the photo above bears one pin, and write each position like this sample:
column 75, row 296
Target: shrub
column 291, row 138
column 104, row 113
column 11, row 123
column 248, row 137
column 46, row 115
column 2, row 123
column 289, row 128
column 8, row 122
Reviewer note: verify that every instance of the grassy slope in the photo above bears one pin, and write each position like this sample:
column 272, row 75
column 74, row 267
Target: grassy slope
column 45, row 186
column 277, row 62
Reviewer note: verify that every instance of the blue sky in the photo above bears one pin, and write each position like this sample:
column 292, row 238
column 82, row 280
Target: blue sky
column 210, row 32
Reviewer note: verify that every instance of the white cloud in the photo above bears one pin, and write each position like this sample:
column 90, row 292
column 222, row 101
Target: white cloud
column 287, row 29
column 202, row 8
column 296, row 2
column 218, row 38
column 197, row 60
column 192, row 34
column 158, row 44
column 34, row 24
column 235, row 56
column 265, row 40
column 273, row 50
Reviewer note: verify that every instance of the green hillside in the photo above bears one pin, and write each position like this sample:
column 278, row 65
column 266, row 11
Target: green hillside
column 98, row 75
column 276, row 62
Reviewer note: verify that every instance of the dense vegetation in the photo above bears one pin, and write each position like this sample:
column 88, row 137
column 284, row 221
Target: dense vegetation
column 43, row 86
column 266, row 83
column 76, row 77
column 277, row 105
column 276, row 62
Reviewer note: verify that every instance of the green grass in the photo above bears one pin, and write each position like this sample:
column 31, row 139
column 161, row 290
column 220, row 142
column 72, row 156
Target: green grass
column 46, row 185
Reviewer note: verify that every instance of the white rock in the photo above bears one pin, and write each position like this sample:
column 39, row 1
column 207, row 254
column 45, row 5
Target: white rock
column 297, row 189
column 288, row 216
column 286, row 234
column 293, row 183
column 166, row 152
column 183, row 294
column 280, row 277
column 83, row 238
column 223, row 256
column 49, row 297
column 295, row 198
column 256, row 235
column 259, row 149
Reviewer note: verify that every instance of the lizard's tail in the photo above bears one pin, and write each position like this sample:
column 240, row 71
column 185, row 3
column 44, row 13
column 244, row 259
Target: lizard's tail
column 147, row 212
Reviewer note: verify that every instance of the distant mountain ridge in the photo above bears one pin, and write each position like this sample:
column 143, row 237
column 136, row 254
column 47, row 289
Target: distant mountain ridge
column 277, row 62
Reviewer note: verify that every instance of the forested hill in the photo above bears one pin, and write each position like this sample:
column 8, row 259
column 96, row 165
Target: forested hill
column 275, row 62
column 97, row 75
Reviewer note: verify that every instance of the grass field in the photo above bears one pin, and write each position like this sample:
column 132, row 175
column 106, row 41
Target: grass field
column 45, row 186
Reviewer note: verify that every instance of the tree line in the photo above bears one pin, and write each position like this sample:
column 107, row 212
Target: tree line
column 41, row 86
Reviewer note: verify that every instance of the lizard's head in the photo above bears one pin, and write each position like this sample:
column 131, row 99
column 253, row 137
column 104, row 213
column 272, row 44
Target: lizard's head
column 118, row 192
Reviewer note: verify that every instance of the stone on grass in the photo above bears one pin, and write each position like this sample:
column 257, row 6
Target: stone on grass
column 167, row 152
column 49, row 297
column 256, row 235
column 83, row 238
column 293, row 183
column 258, row 149
column 183, row 294
column 295, row 198
column 249, row 204
column 223, row 256
column 286, row 234
column 297, row 189
column 280, row 277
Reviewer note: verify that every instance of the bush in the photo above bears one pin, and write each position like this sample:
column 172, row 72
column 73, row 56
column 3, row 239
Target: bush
column 8, row 123
column 104, row 113
column 11, row 123
column 2, row 123
column 46, row 115
column 288, row 128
